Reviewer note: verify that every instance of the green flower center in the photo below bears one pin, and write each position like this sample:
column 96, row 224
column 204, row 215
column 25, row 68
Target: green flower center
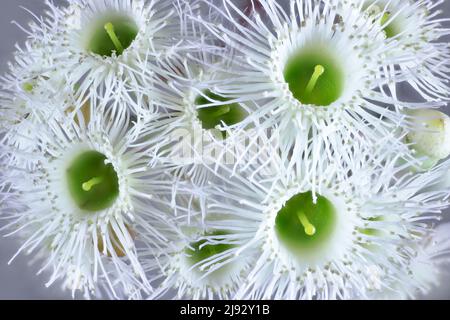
column 303, row 225
column 93, row 184
column 211, row 117
column 114, row 33
column 314, row 77
column 198, row 251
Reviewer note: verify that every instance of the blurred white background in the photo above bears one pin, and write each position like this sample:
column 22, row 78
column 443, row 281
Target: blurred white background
column 19, row 280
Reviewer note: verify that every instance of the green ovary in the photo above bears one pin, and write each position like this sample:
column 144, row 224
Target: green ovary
column 114, row 33
column 314, row 77
column 304, row 226
column 92, row 184
column 210, row 117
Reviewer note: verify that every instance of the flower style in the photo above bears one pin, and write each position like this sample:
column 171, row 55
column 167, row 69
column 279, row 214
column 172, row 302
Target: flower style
column 82, row 207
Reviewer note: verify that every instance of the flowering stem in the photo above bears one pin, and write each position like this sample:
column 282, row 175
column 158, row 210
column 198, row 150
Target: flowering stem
column 109, row 27
column 310, row 230
column 318, row 71
column 87, row 186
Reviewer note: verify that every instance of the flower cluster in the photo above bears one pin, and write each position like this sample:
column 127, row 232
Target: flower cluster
column 224, row 149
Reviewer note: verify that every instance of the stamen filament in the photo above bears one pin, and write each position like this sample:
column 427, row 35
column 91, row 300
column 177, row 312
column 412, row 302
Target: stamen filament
column 318, row 71
column 109, row 27
column 87, row 186
column 310, row 230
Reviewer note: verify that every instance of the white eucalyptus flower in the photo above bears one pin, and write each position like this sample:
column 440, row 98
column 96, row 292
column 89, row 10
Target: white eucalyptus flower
column 15, row 119
column 426, row 270
column 22, row 86
column 313, row 72
column 81, row 208
column 31, row 65
column 429, row 136
column 329, row 234
column 233, row 149
column 417, row 29
column 195, row 263
column 93, row 44
column 194, row 122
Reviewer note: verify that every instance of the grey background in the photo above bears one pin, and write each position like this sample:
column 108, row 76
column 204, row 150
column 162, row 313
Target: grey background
column 19, row 280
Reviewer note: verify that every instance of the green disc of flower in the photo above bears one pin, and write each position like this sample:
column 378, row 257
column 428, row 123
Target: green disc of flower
column 314, row 77
column 302, row 225
column 113, row 34
column 93, row 184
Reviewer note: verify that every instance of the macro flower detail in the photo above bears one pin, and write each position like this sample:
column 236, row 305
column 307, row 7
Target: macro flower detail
column 199, row 266
column 93, row 185
column 430, row 136
column 96, row 44
column 340, row 236
column 314, row 73
column 229, row 149
column 425, row 270
column 193, row 121
column 416, row 30
column 83, row 203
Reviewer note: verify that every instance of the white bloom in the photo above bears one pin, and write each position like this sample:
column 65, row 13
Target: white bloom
column 92, row 44
column 334, row 234
column 21, row 88
column 194, row 122
column 429, row 135
column 420, row 50
column 15, row 119
column 195, row 263
column 426, row 270
column 313, row 72
column 82, row 207
column 31, row 64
